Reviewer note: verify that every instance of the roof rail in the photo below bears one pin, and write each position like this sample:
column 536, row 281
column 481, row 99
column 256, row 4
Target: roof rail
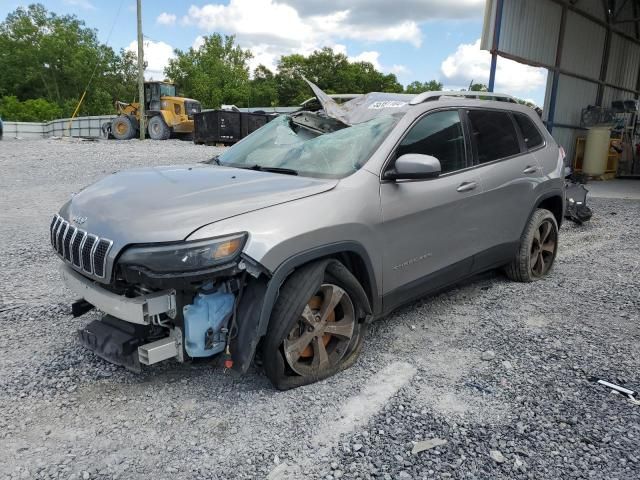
column 429, row 96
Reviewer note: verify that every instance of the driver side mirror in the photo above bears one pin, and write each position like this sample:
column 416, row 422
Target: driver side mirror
column 414, row 166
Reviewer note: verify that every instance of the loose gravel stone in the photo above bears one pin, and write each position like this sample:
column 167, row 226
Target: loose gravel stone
column 488, row 355
column 496, row 456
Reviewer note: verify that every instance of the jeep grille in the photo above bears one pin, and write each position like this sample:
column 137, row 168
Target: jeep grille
column 83, row 250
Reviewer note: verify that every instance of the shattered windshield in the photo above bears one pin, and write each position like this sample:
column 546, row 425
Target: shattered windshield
column 283, row 144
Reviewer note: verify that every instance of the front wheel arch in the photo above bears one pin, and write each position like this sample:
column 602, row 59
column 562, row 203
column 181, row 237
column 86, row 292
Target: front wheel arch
column 555, row 204
column 255, row 322
column 293, row 298
column 350, row 251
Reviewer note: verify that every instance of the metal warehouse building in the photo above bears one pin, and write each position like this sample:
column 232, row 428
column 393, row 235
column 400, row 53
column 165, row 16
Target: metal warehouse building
column 591, row 49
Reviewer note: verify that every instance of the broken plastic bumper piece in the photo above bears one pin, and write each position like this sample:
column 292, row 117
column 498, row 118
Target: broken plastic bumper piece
column 138, row 310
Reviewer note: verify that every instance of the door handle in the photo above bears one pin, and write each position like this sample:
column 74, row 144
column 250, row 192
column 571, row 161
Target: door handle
column 466, row 186
column 530, row 169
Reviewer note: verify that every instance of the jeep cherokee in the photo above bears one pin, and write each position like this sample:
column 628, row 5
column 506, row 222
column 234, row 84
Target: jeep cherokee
column 287, row 245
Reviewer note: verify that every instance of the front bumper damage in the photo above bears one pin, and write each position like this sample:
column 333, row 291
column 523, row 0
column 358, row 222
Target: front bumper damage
column 125, row 344
column 138, row 310
column 126, row 335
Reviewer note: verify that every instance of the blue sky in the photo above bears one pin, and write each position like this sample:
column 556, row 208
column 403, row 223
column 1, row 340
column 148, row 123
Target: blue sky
column 415, row 39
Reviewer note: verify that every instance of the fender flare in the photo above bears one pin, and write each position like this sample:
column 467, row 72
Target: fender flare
column 541, row 198
column 288, row 266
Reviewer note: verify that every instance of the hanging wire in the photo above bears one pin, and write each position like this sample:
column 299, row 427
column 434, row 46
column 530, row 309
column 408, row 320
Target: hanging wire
column 95, row 68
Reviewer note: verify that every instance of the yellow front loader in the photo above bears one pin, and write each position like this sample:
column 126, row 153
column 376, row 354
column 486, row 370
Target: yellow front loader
column 166, row 114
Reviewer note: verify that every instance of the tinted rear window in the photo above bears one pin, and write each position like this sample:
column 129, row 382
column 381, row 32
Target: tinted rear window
column 530, row 132
column 494, row 133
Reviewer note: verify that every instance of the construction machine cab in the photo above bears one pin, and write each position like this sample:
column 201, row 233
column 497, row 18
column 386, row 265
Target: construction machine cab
column 153, row 93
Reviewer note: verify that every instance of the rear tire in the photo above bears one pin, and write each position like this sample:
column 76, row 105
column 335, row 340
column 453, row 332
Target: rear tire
column 122, row 128
column 158, row 130
column 537, row 250
column 317, row 345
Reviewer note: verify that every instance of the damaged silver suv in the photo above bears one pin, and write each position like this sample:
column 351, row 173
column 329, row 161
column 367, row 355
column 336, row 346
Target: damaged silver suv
column 285, row 247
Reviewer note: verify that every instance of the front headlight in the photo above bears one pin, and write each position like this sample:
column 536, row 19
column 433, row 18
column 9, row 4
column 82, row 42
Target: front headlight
column 186, row 256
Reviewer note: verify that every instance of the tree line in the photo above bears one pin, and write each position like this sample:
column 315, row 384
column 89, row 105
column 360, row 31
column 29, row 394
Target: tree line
column 47, row 61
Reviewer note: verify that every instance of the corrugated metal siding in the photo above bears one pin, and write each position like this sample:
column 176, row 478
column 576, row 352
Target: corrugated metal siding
column 593, row 7
column 486, row 40
column 627, row 28
column 573, row 95
column 625, row 14
column 566, row 138
column 580, row 33
column 530, row 29
column 610, row 94
column 624, row 59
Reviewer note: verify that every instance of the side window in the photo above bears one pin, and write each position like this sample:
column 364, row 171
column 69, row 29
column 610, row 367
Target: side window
column 494, row 133
column 530, row 133
column 439, row 135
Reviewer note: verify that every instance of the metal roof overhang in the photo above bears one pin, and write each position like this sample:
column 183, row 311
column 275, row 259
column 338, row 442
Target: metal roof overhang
column 590, row 47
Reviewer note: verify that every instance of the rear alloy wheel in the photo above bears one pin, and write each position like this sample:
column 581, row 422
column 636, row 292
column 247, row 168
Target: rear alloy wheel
column 316, row 327
column 158, row 130
column 543, row 248
column 538, row 248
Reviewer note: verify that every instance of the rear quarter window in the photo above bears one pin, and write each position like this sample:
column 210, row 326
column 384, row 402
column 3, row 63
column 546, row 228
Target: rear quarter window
column 530, row 133
column 494, row 133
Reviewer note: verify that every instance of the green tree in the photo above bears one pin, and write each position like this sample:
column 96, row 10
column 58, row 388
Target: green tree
column 263, row 88
column 419, row 87
column 332, row 72
column 51, row 57
column 32, row 110
column 478, row 87
column 216, row 73
column 292, row 89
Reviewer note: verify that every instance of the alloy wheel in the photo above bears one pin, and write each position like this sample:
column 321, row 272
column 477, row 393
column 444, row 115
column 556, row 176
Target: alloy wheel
column 321, row 337
column 543, row 248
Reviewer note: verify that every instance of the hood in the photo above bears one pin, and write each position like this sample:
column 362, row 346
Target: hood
column 363, row 107
column 163, row 204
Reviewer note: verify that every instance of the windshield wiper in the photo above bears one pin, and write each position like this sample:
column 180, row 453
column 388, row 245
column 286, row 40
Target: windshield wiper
column 260, row 168
column 213, row 160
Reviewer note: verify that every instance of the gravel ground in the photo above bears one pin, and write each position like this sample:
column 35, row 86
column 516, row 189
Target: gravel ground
column 497, row 370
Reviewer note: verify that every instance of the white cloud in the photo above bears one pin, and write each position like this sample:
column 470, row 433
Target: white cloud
column 339, row 48
column 166, row 19
column 273, row 28
column 469, row 63
column 263, row 54
column 267, row 55
column 156, row 55
column 381, row 12
column 198, row 42
column 399, row 69
column 278, row 24
column 372, row 57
